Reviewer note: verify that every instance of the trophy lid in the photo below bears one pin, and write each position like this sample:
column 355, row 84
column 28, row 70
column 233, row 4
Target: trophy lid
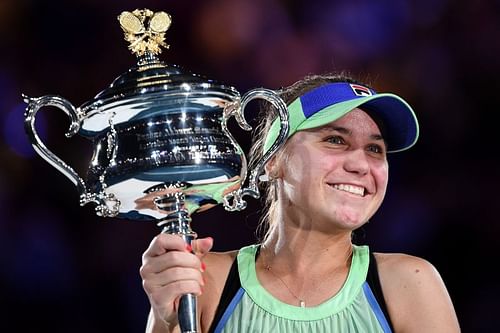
column 150, row 85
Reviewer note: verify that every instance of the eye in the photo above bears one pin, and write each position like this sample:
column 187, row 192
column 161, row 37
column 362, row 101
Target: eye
column 336, row 140
column 376, row 149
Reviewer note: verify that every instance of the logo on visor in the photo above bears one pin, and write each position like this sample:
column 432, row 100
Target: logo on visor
column 360, row 90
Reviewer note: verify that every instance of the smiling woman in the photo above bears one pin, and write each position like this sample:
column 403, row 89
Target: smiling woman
column 306, row 275
column 335, row 174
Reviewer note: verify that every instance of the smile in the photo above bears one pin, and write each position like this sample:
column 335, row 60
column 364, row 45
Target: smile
column 360, row 191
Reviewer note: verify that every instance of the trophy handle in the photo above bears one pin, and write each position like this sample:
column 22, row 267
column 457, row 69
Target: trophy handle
column 34, row 104
column 107, row 203
column 234, row 201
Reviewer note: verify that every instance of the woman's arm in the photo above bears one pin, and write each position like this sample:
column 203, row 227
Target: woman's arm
column 416, row 296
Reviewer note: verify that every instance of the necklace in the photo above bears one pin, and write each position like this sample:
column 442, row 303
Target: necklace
column 268, row 268
column 302, row 303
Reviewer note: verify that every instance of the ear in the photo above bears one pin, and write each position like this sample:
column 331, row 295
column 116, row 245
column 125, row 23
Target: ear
column 272, row 167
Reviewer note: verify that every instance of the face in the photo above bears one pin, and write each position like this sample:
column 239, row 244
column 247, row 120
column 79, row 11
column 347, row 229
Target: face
column 336, row 174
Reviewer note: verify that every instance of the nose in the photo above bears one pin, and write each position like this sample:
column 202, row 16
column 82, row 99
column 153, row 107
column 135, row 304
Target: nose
column 356, row 162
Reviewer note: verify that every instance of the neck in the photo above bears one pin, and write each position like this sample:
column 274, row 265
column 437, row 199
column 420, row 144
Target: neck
column 302, row 251
column 304, row 260
column 303, row 270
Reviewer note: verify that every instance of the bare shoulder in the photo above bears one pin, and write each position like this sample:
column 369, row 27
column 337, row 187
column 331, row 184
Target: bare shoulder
column 217, row 266
column 416, row 296
column 220, row 259
column 403, row 266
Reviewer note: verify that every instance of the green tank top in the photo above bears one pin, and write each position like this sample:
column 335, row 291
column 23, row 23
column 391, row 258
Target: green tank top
column 254, row 309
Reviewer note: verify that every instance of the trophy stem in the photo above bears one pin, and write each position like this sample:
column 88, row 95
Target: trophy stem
column 177, row 222
column 147, row 58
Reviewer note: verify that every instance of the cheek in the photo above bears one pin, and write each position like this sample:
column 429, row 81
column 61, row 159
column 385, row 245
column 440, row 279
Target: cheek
column 294, row 163
column 299, row 173
column 381, row 176
column 311, row 165
column 293, row 170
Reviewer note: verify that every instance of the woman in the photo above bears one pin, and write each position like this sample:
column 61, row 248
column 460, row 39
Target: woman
column 307, row 275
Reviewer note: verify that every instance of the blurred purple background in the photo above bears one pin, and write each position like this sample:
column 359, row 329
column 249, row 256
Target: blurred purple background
column 63, row 269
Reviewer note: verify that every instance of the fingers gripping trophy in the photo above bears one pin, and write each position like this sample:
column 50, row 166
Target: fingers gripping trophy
column 161, row 147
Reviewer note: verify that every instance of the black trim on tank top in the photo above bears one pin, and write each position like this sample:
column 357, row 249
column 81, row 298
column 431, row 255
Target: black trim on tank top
column 231, row 287
column 373, row 281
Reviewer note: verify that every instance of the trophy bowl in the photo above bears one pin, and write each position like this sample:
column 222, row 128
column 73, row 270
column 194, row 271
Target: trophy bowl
column 161, row 147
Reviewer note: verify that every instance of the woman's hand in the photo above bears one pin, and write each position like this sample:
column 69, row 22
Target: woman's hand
column 169, row 270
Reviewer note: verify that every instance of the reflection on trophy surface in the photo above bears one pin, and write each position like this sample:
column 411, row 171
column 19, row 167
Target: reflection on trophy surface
column 198, row 197
column 162, row 150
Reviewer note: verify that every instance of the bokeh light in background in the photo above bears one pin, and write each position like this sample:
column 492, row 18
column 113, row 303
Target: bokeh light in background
column 65, row 269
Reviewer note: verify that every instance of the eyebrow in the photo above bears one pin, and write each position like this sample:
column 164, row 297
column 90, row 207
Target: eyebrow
column 346, row 131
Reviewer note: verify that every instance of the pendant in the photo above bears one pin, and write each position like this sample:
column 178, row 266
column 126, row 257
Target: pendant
column 302, row 303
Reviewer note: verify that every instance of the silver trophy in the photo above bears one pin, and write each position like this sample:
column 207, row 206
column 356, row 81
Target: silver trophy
column 162, row 150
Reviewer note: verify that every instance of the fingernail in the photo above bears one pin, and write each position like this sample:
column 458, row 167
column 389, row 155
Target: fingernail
column 189, row 248
column 203, row 266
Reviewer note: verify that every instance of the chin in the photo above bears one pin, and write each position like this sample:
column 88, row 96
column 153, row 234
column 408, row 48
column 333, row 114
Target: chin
column 351, row 221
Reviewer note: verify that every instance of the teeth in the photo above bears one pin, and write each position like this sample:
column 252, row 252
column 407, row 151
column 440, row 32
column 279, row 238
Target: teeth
column 350, row 188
